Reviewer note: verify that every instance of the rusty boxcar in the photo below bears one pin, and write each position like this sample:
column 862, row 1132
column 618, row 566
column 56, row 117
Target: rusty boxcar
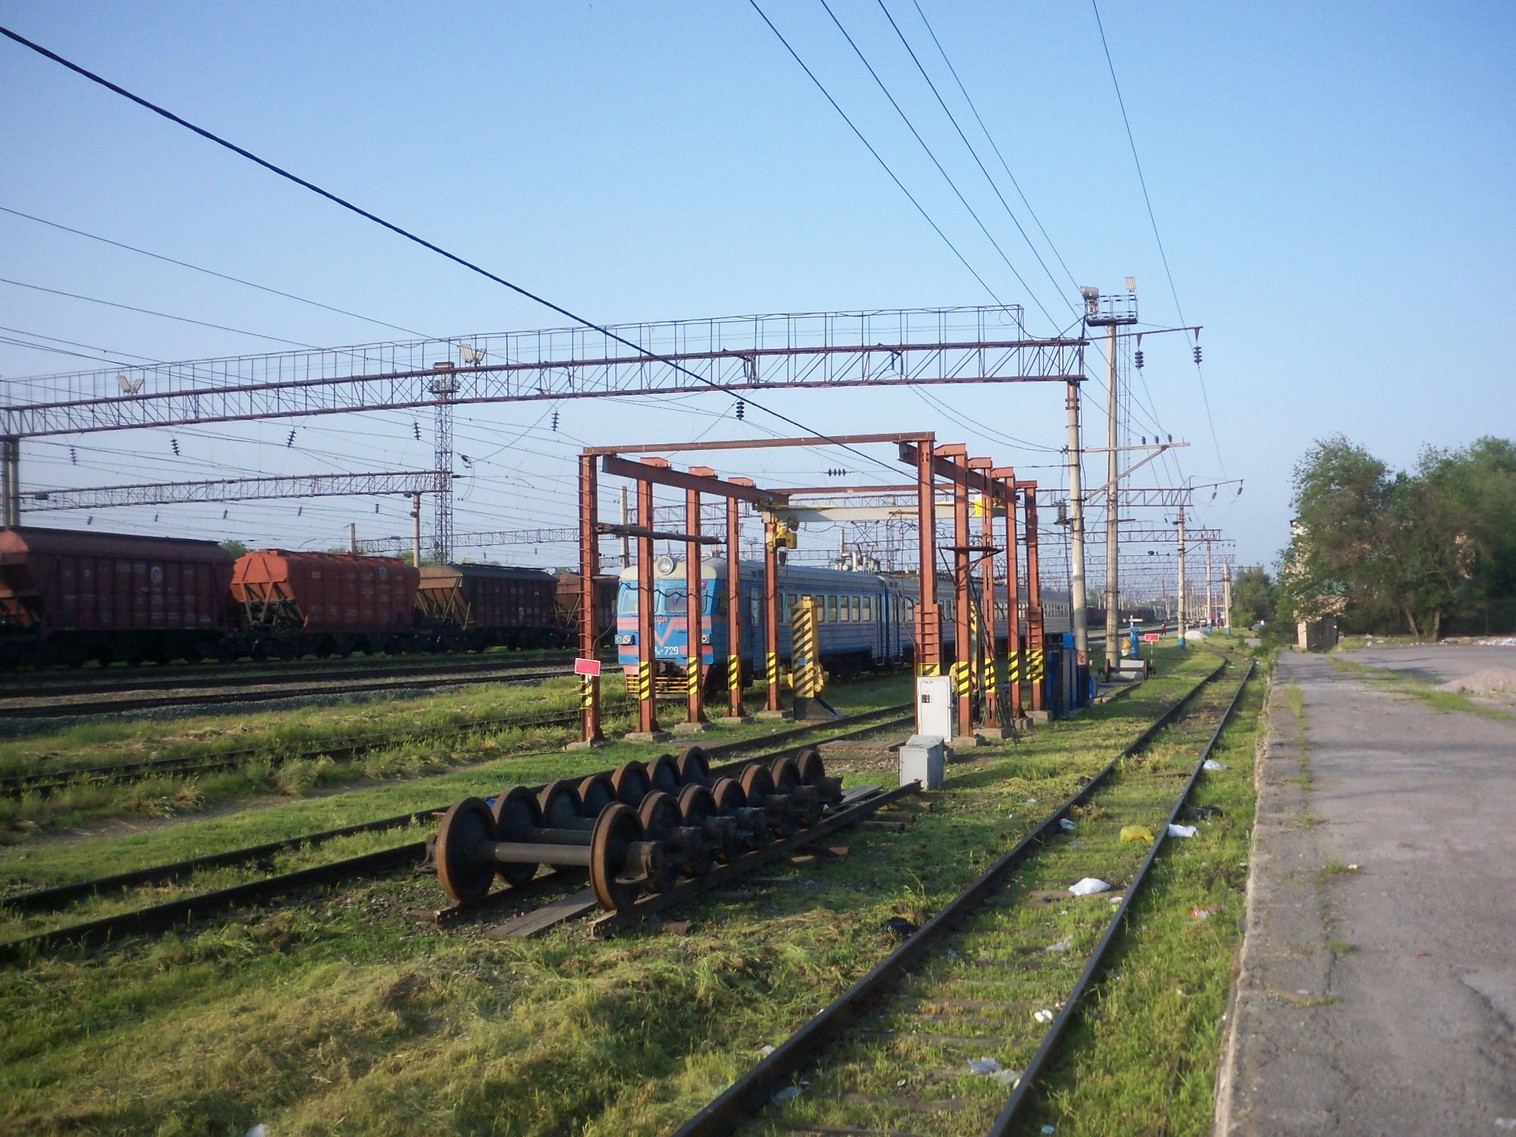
column 71, row 596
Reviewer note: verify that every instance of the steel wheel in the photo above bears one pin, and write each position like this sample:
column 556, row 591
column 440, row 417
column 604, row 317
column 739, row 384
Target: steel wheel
column 616, row 830
column 595, row 793
column 812, row 769
column 516, row 815
column 465, row 875
column 697, row 805
column 694, row 767
column 661, row 820
column 663, row 774
column 631, row 784
column 561, row 805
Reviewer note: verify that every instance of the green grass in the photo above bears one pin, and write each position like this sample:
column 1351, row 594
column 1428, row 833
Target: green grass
column 339, row 1012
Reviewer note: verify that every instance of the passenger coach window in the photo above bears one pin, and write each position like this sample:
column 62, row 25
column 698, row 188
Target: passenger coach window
column 856, row 608
column 868, row 609
column 831, row 610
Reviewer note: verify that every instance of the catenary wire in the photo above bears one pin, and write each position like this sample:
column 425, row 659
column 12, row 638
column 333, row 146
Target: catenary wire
column 405, row 233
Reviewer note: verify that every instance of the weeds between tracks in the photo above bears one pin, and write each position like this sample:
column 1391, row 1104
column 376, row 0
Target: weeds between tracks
column 342, row 1014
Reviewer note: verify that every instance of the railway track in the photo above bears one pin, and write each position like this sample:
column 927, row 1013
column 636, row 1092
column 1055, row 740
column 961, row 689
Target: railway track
column 950, row 1032
column 242, row 692
column 48, row 782
column 180, row 910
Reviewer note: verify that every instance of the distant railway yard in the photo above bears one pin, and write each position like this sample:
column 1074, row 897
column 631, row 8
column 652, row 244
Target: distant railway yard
column 299, row 927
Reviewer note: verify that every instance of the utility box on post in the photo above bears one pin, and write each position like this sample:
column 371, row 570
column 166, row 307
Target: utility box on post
column 923, row 759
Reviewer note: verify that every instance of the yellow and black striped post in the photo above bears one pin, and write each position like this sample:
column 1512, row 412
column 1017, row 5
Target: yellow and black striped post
column 645, row 680
column 734, row 683
column 771, row 670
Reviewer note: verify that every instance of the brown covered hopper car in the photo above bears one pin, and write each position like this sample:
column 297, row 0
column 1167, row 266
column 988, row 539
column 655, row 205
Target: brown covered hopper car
column 68, row 597
column 480, row 606
column 295, row 603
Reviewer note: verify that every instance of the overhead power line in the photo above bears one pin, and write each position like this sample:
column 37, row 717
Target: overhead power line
column 210, row 272
column 406, row 233
column 877, row 157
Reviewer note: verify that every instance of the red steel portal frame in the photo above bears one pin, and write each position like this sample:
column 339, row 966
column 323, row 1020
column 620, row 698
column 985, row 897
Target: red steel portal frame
column 996, row 486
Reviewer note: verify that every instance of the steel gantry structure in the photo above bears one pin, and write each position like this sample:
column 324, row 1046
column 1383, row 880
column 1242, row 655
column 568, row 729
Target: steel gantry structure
column 730, row 355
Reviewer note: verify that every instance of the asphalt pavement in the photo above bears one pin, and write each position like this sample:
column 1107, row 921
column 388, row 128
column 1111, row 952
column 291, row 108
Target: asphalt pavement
column 1377, row 985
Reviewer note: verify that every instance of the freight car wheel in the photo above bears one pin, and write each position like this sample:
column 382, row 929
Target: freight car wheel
column 662, row 822
column 697, row 806
column 694, row 768
column 786, row 775
column 516, row 815
column 787, row 783
column 663, row 774
column 758, row 784
column 595, row 793
column 562, row 807
column 464, row 877
column 811, row 768
column 631, row 783
column 728, row 795
column 616, row 830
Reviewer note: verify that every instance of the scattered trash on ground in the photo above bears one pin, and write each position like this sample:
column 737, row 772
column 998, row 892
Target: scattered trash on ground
column 900, row 927
column 1182, row 830
column 1131, row 833
column 1206, row 913
column 984, row 1066
column 1212, row 764
column 1200, row 812
column 789, row 1093
column 1042, row 1016
column 1065, row 824
column 1065, row 944
column 1089, row 886
column 765, row 1050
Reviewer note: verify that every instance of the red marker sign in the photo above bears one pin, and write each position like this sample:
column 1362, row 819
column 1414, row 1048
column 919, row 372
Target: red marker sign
column 586, row 667
column 1149, row 637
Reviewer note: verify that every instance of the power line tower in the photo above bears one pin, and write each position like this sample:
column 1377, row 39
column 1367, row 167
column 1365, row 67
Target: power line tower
column 444, row 386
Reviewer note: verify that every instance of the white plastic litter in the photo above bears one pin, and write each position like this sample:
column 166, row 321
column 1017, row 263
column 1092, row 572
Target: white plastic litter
column 787, row 1094
column 1212, row 764
column 765, row 1050
column 1089, row 886
column 1065, row 824
column 1182, row 830
column 1065, row 944
column 1043, row 1016
column 983, row 1066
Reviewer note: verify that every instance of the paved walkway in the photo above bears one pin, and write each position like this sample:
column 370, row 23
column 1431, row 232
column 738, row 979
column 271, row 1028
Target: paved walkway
column 1377, row 993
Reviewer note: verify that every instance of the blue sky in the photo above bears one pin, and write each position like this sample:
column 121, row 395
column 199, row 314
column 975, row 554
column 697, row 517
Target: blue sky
column 1331, row 184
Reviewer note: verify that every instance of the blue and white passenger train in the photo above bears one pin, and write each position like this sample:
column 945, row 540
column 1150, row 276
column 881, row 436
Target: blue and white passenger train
column 866, row 621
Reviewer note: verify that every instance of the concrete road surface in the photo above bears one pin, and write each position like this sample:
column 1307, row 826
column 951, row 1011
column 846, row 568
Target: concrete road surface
column 1377, row 992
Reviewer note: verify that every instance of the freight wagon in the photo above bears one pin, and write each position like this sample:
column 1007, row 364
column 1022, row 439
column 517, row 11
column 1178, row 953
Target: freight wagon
column 472, row 607
column 70, row 597
column 295, row 603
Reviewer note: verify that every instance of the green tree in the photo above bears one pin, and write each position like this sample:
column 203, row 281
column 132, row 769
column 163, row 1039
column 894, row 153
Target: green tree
column 1373, row 546
column 1255, row 596
column 235, row 548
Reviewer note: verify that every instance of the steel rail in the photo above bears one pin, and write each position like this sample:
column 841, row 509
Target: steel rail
column 238, row 697
column 1010, row 1114
column 126, row 772
column 750, row 1091
column 284, row 671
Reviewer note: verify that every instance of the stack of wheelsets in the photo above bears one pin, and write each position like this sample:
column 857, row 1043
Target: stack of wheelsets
column 636, row 829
